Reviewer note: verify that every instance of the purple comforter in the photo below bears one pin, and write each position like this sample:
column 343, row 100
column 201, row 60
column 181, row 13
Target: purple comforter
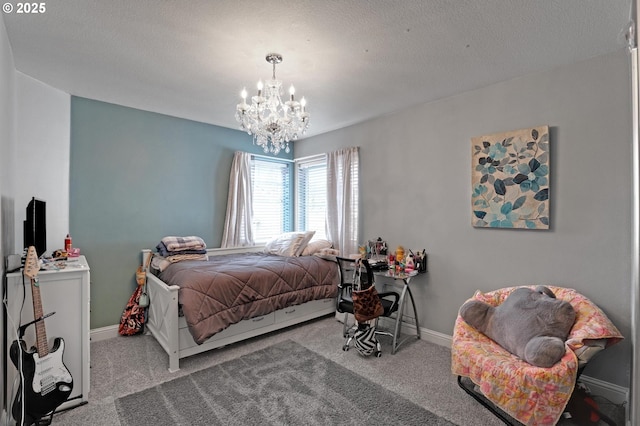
column 227, row 289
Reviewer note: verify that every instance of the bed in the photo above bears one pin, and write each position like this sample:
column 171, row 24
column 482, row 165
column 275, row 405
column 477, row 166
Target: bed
column 250, row 312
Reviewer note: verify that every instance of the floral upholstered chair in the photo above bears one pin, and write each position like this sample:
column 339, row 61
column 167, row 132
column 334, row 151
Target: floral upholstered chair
column 531, row 395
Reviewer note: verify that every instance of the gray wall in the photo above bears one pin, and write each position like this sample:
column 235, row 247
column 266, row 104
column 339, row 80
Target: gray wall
column 136, row 176
column 416, row 191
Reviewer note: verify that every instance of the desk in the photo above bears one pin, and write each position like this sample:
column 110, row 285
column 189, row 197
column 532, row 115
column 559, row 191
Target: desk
column 406, row 289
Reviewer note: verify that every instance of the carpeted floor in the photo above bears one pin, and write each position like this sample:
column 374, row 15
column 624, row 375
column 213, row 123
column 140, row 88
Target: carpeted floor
column 419, row 372
column 283, row 384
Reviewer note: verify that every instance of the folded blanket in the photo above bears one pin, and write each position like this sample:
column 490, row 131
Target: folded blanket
column 183, row 243
column 181, row 257
column 163, row 251
column 160, row 263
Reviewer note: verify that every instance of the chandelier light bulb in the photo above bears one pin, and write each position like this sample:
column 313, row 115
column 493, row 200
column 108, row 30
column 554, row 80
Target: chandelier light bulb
column 272, row 122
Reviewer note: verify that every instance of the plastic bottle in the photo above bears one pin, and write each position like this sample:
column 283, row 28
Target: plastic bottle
column 68, row 243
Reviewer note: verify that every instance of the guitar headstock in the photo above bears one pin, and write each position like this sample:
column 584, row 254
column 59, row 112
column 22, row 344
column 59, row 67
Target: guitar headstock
column 31, row 266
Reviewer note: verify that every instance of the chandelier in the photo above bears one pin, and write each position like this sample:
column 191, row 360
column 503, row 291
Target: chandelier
column 272, row 123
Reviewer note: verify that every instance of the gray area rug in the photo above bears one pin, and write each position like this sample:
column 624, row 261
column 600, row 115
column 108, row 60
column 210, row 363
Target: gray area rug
column 283, row 384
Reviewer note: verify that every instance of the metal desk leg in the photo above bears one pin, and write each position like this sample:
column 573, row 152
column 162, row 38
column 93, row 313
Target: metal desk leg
column 400, row 314
column 415, row 312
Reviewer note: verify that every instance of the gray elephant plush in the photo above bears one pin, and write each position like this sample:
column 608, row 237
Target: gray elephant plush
column 531, row 324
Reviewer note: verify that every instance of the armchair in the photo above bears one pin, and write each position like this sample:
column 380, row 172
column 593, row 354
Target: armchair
column 531, row 395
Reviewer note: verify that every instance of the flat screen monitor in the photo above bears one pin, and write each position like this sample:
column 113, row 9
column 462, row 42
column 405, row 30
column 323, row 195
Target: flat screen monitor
column 35, row 226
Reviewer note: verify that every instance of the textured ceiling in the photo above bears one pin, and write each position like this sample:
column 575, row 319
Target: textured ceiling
column 352, row 59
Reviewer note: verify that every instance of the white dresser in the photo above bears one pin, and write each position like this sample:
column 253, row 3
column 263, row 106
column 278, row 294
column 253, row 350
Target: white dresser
column 65, row 292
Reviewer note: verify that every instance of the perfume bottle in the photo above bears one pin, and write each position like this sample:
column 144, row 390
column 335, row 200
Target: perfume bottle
column 68, row 244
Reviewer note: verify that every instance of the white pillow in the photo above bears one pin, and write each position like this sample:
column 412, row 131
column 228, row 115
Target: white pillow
column 315, row 246
column 286, row 244
column 307, row 237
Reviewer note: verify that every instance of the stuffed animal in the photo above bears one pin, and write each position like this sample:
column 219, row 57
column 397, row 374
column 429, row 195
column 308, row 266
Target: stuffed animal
column 531, row 324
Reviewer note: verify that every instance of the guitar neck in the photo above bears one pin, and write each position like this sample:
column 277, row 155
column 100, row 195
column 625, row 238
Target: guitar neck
column 31, row 269
column 41, row 332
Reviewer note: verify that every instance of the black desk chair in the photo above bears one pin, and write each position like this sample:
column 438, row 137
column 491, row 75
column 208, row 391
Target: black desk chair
column 351, row 278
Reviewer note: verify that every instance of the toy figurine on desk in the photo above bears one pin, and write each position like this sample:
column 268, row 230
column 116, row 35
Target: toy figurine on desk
column 380, row 247
column 399, row 255
column 375, row 248
column 409, row 263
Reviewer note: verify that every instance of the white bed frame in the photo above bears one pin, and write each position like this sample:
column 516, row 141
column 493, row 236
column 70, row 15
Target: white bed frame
column 172, row 333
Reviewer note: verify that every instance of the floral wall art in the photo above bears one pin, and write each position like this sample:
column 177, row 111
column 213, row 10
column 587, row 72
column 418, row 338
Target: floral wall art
column 510, row 179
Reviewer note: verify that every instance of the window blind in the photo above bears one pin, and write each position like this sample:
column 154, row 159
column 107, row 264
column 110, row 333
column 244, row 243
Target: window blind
column 312, row 196
column 271, row 182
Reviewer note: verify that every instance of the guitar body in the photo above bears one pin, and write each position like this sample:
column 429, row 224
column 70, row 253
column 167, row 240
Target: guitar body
column 47, row 381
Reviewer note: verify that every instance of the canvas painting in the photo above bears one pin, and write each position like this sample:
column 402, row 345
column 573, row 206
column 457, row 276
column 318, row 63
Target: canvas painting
column 510, row 179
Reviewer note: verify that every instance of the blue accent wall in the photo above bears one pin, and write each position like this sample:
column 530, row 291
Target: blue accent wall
column 136, row 176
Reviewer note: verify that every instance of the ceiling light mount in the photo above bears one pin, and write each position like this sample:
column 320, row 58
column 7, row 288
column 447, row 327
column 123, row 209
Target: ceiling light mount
column 272, row 122
column 274, row 58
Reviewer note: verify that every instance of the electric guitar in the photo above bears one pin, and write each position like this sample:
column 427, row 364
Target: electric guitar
column 46, row 382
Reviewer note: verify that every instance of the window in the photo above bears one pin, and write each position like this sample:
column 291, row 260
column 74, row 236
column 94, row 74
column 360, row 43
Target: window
column 311, row 206
column 273, row 196
column 272, row 206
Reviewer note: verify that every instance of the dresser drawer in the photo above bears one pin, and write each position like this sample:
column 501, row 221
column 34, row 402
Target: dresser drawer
column 305, row 308
column 186, row 341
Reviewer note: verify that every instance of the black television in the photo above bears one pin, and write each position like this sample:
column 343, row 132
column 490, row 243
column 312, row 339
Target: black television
column 35, row 226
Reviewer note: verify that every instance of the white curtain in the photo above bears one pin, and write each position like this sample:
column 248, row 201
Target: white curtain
column 237, row 225
column 342, row 199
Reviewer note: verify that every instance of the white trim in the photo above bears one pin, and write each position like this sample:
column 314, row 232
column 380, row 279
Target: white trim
column 266, row 157
column 104, row 333
column 314, row 157
column 635, row 236
column 612, row 392
column 435, row 337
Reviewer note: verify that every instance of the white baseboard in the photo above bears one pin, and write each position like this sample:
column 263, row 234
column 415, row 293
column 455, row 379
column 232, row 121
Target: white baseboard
column 614, row 393
column 431, row 336
column 104, row 333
